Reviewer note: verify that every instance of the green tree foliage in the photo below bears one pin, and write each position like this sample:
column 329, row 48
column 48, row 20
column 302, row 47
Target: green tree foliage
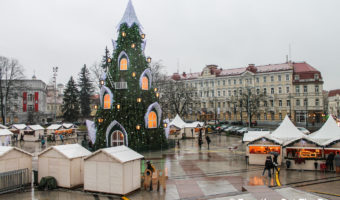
column 85, row 91
column 71, row 102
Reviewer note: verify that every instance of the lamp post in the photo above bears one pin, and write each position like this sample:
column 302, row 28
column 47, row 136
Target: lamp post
column 248, row 102
column 55, row 70
column 306, row 104
column 290, row 106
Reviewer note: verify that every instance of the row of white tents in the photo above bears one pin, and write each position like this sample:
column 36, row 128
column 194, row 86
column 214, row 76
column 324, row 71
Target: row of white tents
column 30, row 132
column 110, row 170
column 179, row 128
column 290, row 142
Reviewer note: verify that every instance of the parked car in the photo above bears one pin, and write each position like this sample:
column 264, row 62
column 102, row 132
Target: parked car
column 221, row 128
column 304, row 130
column 228, row 128
column 237, row 123
column 234, row 130
column 242, row 131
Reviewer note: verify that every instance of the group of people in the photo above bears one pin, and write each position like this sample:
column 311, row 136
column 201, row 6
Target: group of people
column 330, row 164
column 271, row 164
column 200, row 140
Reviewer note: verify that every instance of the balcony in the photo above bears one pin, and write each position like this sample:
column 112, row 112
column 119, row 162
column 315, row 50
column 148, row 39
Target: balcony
column 120, row 85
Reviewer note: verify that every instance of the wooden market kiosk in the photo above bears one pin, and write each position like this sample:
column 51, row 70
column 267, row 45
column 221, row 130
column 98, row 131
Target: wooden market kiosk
column 303, row 153
column 261, row 147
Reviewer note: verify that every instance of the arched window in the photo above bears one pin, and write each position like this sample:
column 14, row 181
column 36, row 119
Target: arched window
column 145, row 83
column 152, row 123
column 117, row 138
column 107, row 101
column 123, row 64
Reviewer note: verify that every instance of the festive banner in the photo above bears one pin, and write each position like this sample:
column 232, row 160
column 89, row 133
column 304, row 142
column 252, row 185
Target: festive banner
column 24, row 102
column 36, row 101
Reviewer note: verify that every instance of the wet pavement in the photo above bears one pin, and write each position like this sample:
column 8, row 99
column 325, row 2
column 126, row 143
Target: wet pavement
column 216, row 173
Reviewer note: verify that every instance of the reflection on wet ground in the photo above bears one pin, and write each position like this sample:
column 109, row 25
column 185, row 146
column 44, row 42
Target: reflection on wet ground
column 193, row 173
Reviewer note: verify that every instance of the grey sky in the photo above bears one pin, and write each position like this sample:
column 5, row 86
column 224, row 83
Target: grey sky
column 229, row 33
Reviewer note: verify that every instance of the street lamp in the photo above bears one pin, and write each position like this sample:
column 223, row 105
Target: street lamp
column 306, row 104
column 55, row 70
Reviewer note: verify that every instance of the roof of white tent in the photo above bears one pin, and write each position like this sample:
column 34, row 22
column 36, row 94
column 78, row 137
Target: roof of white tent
column 67, row 125
column 252, row 135
column 19, row 126
column 305, row 137
column 3, row 126
column 287, row 131
column 328, row 142
column 54, row 126
column 5, row 132
column 194, row 124
column 178, row 122
column 122, row 153
column 70, row 151
column 328, row 131
column 36, row 127
column 269, row 137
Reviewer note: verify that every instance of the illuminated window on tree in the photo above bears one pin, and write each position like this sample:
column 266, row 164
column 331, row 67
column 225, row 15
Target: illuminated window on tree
column 107, row 101
column 117, row 138
column 152, row 123
column 145, row 83
column 123, row 64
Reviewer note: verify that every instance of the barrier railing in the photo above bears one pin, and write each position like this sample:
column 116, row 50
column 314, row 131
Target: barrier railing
column 14, row 180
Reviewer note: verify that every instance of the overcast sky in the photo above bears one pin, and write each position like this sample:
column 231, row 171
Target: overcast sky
column 185, row 34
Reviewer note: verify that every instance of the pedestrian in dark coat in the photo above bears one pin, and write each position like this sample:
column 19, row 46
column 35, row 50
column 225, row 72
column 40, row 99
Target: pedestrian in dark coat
column 337, row 162
column 200, row 142
column 275, row 163
column 267, row 166
column 208, row 140
column 329, row 161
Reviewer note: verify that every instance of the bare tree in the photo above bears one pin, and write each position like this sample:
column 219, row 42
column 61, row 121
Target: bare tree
column 96, row 74
column 10, row 71
column 251, row 102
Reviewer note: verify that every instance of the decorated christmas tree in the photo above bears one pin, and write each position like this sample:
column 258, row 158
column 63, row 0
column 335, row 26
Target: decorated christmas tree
column 129, row 113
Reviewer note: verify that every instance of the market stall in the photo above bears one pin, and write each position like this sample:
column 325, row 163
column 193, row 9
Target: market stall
column 5, row 137
column 259, row 148
column 33, row 133
column 13, row 158
column 67, row 131
column 303, row 153
column 251, row 135
column 191, row 130
column 113, row 170
column 328, row 131
column 180, row 129
column 18, row 130
column 65, row 163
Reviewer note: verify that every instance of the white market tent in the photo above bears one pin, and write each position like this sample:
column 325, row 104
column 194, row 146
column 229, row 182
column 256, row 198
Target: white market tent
column 113, row 170
column 3, row 126
column 13, row 158
column 328, row 131
column 178, row 122
column 65, row 163
column 5, row 137
column 52, row 128
column 32, row 132
column 68, row 125
column 187, row 129
column 252, row 135
column 19, row 126
column 287, row 131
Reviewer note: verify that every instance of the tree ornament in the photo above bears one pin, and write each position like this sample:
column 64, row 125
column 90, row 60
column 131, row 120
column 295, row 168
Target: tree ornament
column 133, row 45
column 123, row 34
column 142, row 36
column 148, row 59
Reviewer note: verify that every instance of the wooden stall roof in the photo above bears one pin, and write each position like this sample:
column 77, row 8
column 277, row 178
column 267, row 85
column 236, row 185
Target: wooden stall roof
column 5, row 149
column 120, row 153
column 265, row 140
column 70, row 151
column 300, row 140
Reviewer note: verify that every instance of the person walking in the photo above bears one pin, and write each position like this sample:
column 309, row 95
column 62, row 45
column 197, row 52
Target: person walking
column 337, row 162
column 200, row 142
column 208, row 140
column 42, row 142
column 192, row 133
column 329, row 161
column 267, row 166
column 61, row 138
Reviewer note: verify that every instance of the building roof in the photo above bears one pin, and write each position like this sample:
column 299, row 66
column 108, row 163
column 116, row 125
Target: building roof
column 122, row 154
column 328, row 131
column 70, row 151
column 252, row 135
column 19, row 126
column 305, row 71
column 287, row 131
column 129, row 17
column 36, row 127
column 333, row 93
column 54, row 126
column 5, row 132
column 5, row 149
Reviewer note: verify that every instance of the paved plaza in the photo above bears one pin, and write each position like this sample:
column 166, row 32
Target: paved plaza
column 218, row 173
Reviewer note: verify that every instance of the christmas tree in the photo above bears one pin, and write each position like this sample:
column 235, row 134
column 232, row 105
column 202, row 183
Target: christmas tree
column 71, row 104
column 129, row 113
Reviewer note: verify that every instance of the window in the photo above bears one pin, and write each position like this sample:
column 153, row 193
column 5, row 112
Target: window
column 257, row 80
column 280, row 90
column 265, row 116
column 280, row 116
column 297, row 102
column 219, row 93
column 280, row 103
column 305, row 89
column 272, row 91
column 152, row 123
column 287, row 77
column 123, row 64
column 218, row 83
column 212, row 83
column 279, row 77
column 265, row 91
column 305, row 102
column 212, row 93
column 229, row 81
column 234, row 92
column 201, row 83
column 288, row 102
column 234, row 81
column 265, row 104
column 240, row 81
column 316, row 76
column 257, row 91
column 16, row 96
column 30, row 97
column 272, row 103
column 272, row 116
column 287, row 89
column 223, row 82
column 297, row 89
column 218, row 104
column 117, row 138
column 201, row 93
column 15, row 107
column 272, row 78
column 229, row 93
column 30, row 108
column 317, row 102
column 204, row 105
column 145, row 83
column 223, row 92
column 240, row 92
column 316, row 89
column 296, row 77
column 107, row 101
column 264, row 79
